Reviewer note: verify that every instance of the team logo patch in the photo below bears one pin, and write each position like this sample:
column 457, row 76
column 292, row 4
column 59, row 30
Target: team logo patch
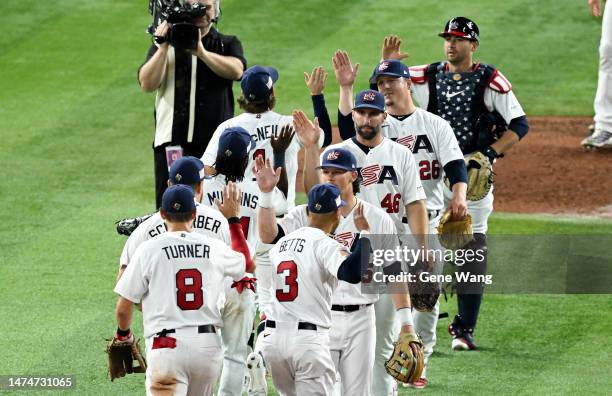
column 369, row 97
column 333, row 155
column 383, row 66
column 228, row 153
column 346, row 239
column 176, row 206
column 407, row 141
column 453, row 25
column 269, row 83
column 318, row 206
column 370, row 174
column 178, row 177
column 457, row 77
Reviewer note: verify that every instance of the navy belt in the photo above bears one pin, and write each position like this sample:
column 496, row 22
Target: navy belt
column 201, row 329
column 348, row 308
column 301, row 325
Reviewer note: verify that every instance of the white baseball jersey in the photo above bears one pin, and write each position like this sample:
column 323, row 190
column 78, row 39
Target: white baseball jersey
column 208, row 222
column 178, row 277
column 306, row 264
column 389, row 177
column 498, row 94
column 433, row 144
column 213, row 188
column 261, row 127
column 347, row 234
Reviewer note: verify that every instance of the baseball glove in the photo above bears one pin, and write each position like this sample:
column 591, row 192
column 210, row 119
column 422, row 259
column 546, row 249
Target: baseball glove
column 455, row 234
column 424, row 295
column 127, row 226
column 121, row 356
column 407, row 361
column 480, row 176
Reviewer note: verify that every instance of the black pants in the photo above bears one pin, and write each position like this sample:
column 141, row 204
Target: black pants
column 469, row 294
column 161, row 167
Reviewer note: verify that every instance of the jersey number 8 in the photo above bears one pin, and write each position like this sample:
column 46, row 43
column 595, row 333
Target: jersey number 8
column 189, row 295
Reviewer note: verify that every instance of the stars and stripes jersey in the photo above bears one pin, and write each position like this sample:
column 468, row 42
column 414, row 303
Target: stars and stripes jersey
column 305, row 272
column 208, row 221
column 383, row 236
column 178, row 277
column 433, row 144
column 460, row 98
column 261, row 127
column 213, row 188
column 389, row 177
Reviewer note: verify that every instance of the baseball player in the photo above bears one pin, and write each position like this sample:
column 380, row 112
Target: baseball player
column 178, row 276
column 476, row 99
column 433, row 145
column 601, row 133
column 390, row 181
column 353, row 331
column 234, row 153
column 262, row 123
column 308, row 265
column 210, row 222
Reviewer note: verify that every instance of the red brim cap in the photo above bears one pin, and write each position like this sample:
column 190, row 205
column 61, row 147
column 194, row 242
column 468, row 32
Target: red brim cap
column 456, row 34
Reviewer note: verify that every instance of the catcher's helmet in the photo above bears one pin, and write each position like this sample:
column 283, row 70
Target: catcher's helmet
column 461, row 27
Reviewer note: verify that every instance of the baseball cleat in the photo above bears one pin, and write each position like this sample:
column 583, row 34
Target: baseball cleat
column 257, row 373
column 599, row 139
column 418, row 384
column 464, row 343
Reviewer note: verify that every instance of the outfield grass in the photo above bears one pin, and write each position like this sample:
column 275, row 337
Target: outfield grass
column 76, row 134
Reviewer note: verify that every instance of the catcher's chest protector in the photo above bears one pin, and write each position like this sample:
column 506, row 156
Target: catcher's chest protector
column 460, row 100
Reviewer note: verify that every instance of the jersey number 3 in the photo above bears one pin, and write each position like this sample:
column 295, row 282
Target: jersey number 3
column 189, row 294
column 289, row 269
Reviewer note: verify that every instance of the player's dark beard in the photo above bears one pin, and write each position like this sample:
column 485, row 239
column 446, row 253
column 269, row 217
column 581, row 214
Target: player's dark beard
column 367, row 132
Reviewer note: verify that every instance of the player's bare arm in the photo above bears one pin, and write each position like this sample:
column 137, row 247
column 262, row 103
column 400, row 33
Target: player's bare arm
column 123, row 313
column 279, row 144
column 153, row 72
column 345, row 73
column 416, row 211
column 228, row 67
column 391, row 48
column 505, row 142
column 267, row 179
column 308, row 133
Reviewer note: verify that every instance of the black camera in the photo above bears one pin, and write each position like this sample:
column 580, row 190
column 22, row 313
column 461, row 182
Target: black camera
column 182, row 33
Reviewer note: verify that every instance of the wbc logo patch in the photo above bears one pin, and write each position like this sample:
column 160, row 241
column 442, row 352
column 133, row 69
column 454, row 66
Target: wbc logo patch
column 333, row 155
column 369, row 97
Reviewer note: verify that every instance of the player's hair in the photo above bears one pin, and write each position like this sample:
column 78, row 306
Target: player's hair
column 178, row 217
column 257, row 107
column 356, row 184
column 232, row 170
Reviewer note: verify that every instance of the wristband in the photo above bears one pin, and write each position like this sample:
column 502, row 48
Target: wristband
column 123, row 334
column 405, row 316
column 490, row 153
column 279, row 159
column 233, row 220
column 159, row 39
column 265, row 200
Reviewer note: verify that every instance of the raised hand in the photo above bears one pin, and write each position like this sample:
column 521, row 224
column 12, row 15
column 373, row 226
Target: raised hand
column 307, row 131
column 267, row 178
column 230, row 207
column 281, row 141
column 391, row 48
column 345, row 71
column 359, row 219
column 315, row 81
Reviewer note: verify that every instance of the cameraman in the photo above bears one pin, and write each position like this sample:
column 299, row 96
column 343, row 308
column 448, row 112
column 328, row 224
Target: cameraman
column 194, row 87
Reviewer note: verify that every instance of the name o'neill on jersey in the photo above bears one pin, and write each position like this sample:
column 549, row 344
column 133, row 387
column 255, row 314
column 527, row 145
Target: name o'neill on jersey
column 265, row 132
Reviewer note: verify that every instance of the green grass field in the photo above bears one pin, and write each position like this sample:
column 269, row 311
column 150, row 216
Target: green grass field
column 76, row 135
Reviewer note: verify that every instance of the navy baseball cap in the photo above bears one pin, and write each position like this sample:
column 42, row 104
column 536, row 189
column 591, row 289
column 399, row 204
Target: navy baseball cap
column 235, row 143
column 324, row 198
column 370, row 99
column 178, row 198
column 461, row 27
column 391, row 68
column 186, row 170
column 339, row 158
column 257, row 82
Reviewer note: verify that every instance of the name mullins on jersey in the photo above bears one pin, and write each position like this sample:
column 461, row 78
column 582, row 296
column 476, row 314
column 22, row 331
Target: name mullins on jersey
column 187, row 251
column 200, row 222
column 247, row 200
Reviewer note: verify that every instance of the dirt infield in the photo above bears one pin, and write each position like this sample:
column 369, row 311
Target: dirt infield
column 549, row 172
